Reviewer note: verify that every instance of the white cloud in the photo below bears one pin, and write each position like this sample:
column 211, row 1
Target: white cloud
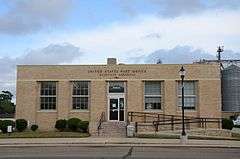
column 181, row 54
column 175, row 8
column 124, row 40
column 52, row 54
column 205, row 31
column 26, row 16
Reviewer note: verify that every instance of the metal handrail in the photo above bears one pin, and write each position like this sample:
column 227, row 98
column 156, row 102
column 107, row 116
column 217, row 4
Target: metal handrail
column 165, row 119
column 149, row 114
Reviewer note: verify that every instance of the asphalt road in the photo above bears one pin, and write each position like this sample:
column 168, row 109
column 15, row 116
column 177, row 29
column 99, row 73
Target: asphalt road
column 118, row 152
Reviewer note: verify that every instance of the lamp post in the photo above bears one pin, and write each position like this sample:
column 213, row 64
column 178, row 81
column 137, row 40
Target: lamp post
column 182, row 73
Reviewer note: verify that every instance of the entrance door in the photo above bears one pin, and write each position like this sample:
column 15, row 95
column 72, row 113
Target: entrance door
column 116, row 109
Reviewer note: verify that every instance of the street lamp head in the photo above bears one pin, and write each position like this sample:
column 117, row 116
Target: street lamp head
column 220, row 49
column 182, row 72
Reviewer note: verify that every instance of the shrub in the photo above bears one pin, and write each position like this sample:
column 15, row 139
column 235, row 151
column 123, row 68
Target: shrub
column 61, row 124
column 73, row 124
column 21, row 124
column 1, row 122
column 83, row 126
column 227, row 124
column 5, row 124
column 34, row 127
column 234, row 117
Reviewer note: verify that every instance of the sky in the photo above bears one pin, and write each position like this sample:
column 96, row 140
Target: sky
column 133, row 31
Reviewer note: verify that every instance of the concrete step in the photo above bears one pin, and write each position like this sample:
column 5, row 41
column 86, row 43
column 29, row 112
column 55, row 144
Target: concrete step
column 112, row 129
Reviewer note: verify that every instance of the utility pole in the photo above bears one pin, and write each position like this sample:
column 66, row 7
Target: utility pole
column 219, row 51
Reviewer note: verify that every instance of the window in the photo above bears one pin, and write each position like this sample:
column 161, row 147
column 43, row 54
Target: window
column 189, row 95
column 48, row 95
column 152, row 95
column 116, row 87
column 80, row 95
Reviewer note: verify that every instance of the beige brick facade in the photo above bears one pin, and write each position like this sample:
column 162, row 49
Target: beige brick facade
column 206, row 76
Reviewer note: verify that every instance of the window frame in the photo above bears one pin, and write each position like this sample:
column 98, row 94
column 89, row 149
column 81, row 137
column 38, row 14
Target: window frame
column 160, row 96
column 43, row 96
column 80, row 96
column 179, row 96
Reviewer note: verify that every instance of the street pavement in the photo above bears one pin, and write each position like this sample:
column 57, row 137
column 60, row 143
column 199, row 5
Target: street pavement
column 102, row 152
column 73, row 148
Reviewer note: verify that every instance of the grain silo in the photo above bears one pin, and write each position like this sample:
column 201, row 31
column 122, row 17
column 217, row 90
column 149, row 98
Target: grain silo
column 231, row 89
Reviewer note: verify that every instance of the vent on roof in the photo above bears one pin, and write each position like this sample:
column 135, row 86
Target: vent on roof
column 111, row 61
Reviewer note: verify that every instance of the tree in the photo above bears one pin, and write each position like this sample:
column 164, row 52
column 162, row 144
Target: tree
column 6, row 95
column 6, row 104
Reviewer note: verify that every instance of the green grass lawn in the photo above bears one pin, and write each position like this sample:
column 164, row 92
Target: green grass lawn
column 175, row 136
column 41, row 134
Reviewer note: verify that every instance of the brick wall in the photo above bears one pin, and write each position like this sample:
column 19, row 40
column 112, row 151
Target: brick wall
column 28, row 77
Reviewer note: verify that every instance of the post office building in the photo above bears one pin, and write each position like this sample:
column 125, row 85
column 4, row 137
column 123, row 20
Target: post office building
column 46, row 93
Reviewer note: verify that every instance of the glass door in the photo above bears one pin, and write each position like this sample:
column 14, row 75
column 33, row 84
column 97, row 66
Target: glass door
column 113, row 109
column 116, row 109
column 121, row 109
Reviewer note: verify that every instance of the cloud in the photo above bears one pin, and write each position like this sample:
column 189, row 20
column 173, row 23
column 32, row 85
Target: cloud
column 181, row 54
column 52, row 54
column 152, row 36
column 175, row 8
column 24, row 16
column 230, row 54
column 127, row 7
column 149, row 33
column 67, row 53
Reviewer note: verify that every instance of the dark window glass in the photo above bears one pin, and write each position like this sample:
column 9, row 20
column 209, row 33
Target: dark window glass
column 152, row 88
column 80, row 102
column 189, row 94
column 152, row 103
column 80, row 88
column 116, row 87
column 152, row 93
column 80, row 95
column 48, row 95
column 48, row 88
column 189, row 88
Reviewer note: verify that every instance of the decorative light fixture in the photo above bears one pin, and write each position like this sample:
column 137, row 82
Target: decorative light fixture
column 182, row 73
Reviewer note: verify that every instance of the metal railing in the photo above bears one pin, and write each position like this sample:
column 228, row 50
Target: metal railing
column 157, row 119
column 101, row 120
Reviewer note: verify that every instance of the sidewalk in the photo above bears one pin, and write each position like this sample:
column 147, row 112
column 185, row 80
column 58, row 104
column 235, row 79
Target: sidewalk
column 90, row 141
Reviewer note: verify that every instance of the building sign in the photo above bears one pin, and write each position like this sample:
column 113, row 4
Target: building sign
column 116, row 87
column 117, row 72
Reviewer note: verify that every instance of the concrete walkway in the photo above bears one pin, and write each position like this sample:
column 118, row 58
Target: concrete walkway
column 90, row 141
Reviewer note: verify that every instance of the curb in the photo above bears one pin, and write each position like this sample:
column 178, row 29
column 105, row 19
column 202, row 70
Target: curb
column 109, row 144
